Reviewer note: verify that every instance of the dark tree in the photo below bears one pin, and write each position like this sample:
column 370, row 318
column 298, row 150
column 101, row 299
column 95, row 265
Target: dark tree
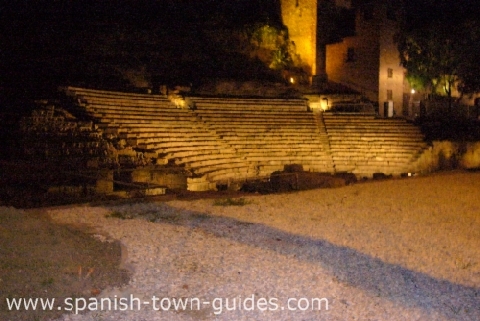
column 438, row 45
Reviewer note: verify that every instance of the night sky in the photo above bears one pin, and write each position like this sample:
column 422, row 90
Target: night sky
column 54, row 41
column 44, row 43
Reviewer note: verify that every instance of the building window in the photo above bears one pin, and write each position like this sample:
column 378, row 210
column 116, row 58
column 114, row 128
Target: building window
column 390, row 73
column 350, row 54
column 389, row 94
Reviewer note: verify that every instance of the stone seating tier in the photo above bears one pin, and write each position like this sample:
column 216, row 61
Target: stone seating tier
column 360, row 136
column 135, row 118
column 178, row 139
column 127, row 131
column 362, row 120
column 384, row 154
column 367, row 154
column 373, row 125
column 129, row 119
column 349, row 125
column 178, row 144
column 257, row 101
column 213, row 164
column 87, row 101
column 248, row 128
column 225, row 139
column 269, row 137
column 380, row 142
column 372, row 158
column 397, row 163
column 289, row 135
column 163, row 137
column 158, row 137
column 252, row 112
column 199, row 107
column 76, row 91
column 253, row 149
column 153, row 127
column 140, row 128
column 372, row 130
column 180, row 152
column 261, row 148
column 328, row 115
column 284, row 100
column 369, row 124
column 306, row 159
column 221, row 119
column 375, row 148
column 204, row 154
column 372, row 133
column 373, row 142
column 365, row 145
column 115, row 109
column 276, row 142
column 279, row 155
column 164, row 119
column 249, row 120
column 357, row 142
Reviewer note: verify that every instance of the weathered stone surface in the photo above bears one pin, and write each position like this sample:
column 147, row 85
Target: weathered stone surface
column 224, row 140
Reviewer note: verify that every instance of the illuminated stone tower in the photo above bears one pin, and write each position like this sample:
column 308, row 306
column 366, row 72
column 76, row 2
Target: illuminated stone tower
column 366, row 60
column 300, row 17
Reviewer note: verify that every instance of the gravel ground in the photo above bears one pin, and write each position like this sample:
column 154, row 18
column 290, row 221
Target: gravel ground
column 404, row 249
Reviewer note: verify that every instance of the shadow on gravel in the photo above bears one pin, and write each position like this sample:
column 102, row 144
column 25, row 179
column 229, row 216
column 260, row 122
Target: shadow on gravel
column 389, row 281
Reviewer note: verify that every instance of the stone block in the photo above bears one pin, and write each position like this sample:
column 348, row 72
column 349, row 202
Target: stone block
column 104, row 183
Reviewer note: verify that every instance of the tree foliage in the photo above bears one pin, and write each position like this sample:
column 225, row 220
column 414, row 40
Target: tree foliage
column 469, row 64
column 441, row 54
column 431, row 58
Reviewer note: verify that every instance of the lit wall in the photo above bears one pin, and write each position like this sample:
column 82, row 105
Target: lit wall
column 357, row 69
column 300, row 16
column 369, row 62
column 391, row 73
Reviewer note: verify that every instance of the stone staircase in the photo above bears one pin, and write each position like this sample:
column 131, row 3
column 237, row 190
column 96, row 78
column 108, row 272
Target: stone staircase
column 323, row 135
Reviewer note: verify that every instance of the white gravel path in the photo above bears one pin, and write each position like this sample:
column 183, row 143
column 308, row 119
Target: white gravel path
column 404, row 249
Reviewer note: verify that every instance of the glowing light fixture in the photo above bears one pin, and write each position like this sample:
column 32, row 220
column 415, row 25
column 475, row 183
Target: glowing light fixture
column 412, row 91
column 292, row 80
column 324, row 103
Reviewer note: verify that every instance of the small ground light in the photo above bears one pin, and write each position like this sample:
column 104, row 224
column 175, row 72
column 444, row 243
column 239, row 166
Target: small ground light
column 412, row 91
column 292, row 80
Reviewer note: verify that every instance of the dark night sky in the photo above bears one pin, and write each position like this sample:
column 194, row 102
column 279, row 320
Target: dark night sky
column 35, row 31
column 420, row 12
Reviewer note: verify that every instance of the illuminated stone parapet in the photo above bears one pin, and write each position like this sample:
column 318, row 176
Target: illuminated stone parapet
column 300, row 17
